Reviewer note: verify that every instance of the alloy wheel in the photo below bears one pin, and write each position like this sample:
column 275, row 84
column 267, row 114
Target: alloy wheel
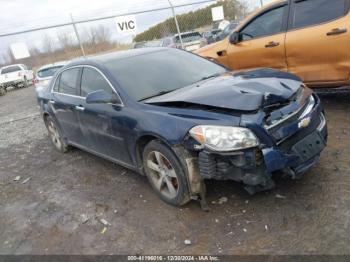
column 54, row 134
column 162, row 174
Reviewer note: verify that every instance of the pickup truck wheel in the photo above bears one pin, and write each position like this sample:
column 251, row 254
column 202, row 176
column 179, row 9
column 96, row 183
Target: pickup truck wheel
column 25, row 82
column 56, row 135
column 165, row 174
column 3, row 91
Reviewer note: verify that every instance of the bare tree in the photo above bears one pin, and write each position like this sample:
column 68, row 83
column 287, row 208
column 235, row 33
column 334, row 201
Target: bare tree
column 65, row 40
column 8, row 57
column 48, row 44
column 98, row 35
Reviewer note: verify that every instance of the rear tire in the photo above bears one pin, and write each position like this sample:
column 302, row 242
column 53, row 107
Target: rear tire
column 25, row 82
column 3, row 91
column 165, row 174
column 56, row 135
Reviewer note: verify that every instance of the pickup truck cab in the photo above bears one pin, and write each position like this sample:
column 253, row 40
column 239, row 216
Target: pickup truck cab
column 15, row 75
column 309, row 38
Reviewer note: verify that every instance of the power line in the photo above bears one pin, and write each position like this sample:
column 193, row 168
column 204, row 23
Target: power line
column 102, row 18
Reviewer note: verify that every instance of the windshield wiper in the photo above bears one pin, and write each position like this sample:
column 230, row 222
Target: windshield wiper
column 155, row 95
column 209, row 77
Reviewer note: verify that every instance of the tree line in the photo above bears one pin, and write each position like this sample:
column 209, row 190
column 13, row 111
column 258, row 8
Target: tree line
column 64, row 46
column 233, row 9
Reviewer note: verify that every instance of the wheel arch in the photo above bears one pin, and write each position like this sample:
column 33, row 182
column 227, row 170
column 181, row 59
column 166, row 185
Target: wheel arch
column 141, row 143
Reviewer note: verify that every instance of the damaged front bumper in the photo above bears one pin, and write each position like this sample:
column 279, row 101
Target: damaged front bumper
column 290, row 148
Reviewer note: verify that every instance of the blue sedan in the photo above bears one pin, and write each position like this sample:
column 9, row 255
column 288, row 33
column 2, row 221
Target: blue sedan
column 180, row 119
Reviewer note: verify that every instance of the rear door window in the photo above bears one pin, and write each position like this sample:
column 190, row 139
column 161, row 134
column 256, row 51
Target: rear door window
column 269, row 23
column 68, row 81
column 92, row 81
column 313, row 12
column 10, row 69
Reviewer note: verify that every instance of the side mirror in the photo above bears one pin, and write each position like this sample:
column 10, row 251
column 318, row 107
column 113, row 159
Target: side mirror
column 102, row 97
column 234, row 38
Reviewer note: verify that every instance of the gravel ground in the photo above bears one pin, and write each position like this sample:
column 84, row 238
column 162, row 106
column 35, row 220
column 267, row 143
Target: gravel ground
column 59, row 210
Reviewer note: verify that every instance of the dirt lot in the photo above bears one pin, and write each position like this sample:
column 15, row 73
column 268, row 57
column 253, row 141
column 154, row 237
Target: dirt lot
column 58, row 210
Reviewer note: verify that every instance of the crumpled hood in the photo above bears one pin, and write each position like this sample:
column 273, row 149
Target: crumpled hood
column 243, row 91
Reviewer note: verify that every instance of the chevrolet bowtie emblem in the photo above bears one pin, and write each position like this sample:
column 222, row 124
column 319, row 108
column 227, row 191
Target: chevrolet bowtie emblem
column 304, row 123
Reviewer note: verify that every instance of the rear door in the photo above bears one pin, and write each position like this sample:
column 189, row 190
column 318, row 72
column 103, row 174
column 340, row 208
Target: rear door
column 65, row 104
column 102, row 124
column 318, row 40
column 262, row 41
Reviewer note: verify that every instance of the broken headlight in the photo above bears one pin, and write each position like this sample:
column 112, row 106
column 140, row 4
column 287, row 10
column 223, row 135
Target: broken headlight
column 224, row 138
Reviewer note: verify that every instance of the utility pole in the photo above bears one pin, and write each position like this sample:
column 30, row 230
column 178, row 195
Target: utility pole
column 177, row 23
column 261, row 3
column 77, row 34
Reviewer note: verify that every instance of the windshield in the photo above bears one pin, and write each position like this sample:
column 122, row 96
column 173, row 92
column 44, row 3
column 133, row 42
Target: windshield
column 47, row 72
column 161, row 71
column 189, row 37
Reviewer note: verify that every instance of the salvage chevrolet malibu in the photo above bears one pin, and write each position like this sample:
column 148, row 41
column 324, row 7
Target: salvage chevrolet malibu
column 180, row 119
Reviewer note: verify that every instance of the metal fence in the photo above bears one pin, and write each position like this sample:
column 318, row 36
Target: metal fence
column 163, row 25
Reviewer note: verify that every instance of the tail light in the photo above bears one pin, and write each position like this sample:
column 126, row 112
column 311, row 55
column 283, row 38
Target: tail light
column 35, row 81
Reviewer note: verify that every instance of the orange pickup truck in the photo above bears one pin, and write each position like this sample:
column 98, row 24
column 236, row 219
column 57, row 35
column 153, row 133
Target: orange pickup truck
column 310, row 38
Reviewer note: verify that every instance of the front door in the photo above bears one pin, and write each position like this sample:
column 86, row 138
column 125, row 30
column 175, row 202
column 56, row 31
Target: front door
column 318, row 40
column 262, row 41
column 102, row 124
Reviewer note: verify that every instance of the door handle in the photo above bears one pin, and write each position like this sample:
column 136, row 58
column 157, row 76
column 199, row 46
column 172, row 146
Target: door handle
column 79, row 108
column 337, row 31
column 222, row 53
column 52, row 102
column 272, row 44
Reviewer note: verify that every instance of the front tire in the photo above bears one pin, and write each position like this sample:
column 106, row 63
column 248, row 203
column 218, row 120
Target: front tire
column 3, row 91
column 165, row 174
column 56, row 135
column 25, row 82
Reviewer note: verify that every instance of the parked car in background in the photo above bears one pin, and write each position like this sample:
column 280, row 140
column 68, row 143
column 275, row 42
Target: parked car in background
column 154, row 43
column 191, row 41
column 211, row 35
column 185, row 119
column 16, row 76
column 169, row 42
column 45, row 73
column 308, row 38
column 226, row 32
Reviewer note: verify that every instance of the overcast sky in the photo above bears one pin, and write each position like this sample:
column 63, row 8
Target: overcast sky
column 17, row 15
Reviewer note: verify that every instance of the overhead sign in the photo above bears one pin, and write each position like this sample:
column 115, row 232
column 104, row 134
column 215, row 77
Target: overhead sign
column 126, row 24
column 19, row 50
column 217, row 13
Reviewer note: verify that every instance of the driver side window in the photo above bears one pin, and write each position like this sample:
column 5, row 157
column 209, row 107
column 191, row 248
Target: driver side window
column 269, row 23
column 92, row 81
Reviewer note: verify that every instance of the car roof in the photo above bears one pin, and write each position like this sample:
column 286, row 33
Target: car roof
column 11, row 66
column 118, row 55
column 187, row 33
column 63, row 63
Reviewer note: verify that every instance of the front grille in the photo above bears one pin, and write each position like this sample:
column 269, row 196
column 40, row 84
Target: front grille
column 286, row 143
column 286, row 120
